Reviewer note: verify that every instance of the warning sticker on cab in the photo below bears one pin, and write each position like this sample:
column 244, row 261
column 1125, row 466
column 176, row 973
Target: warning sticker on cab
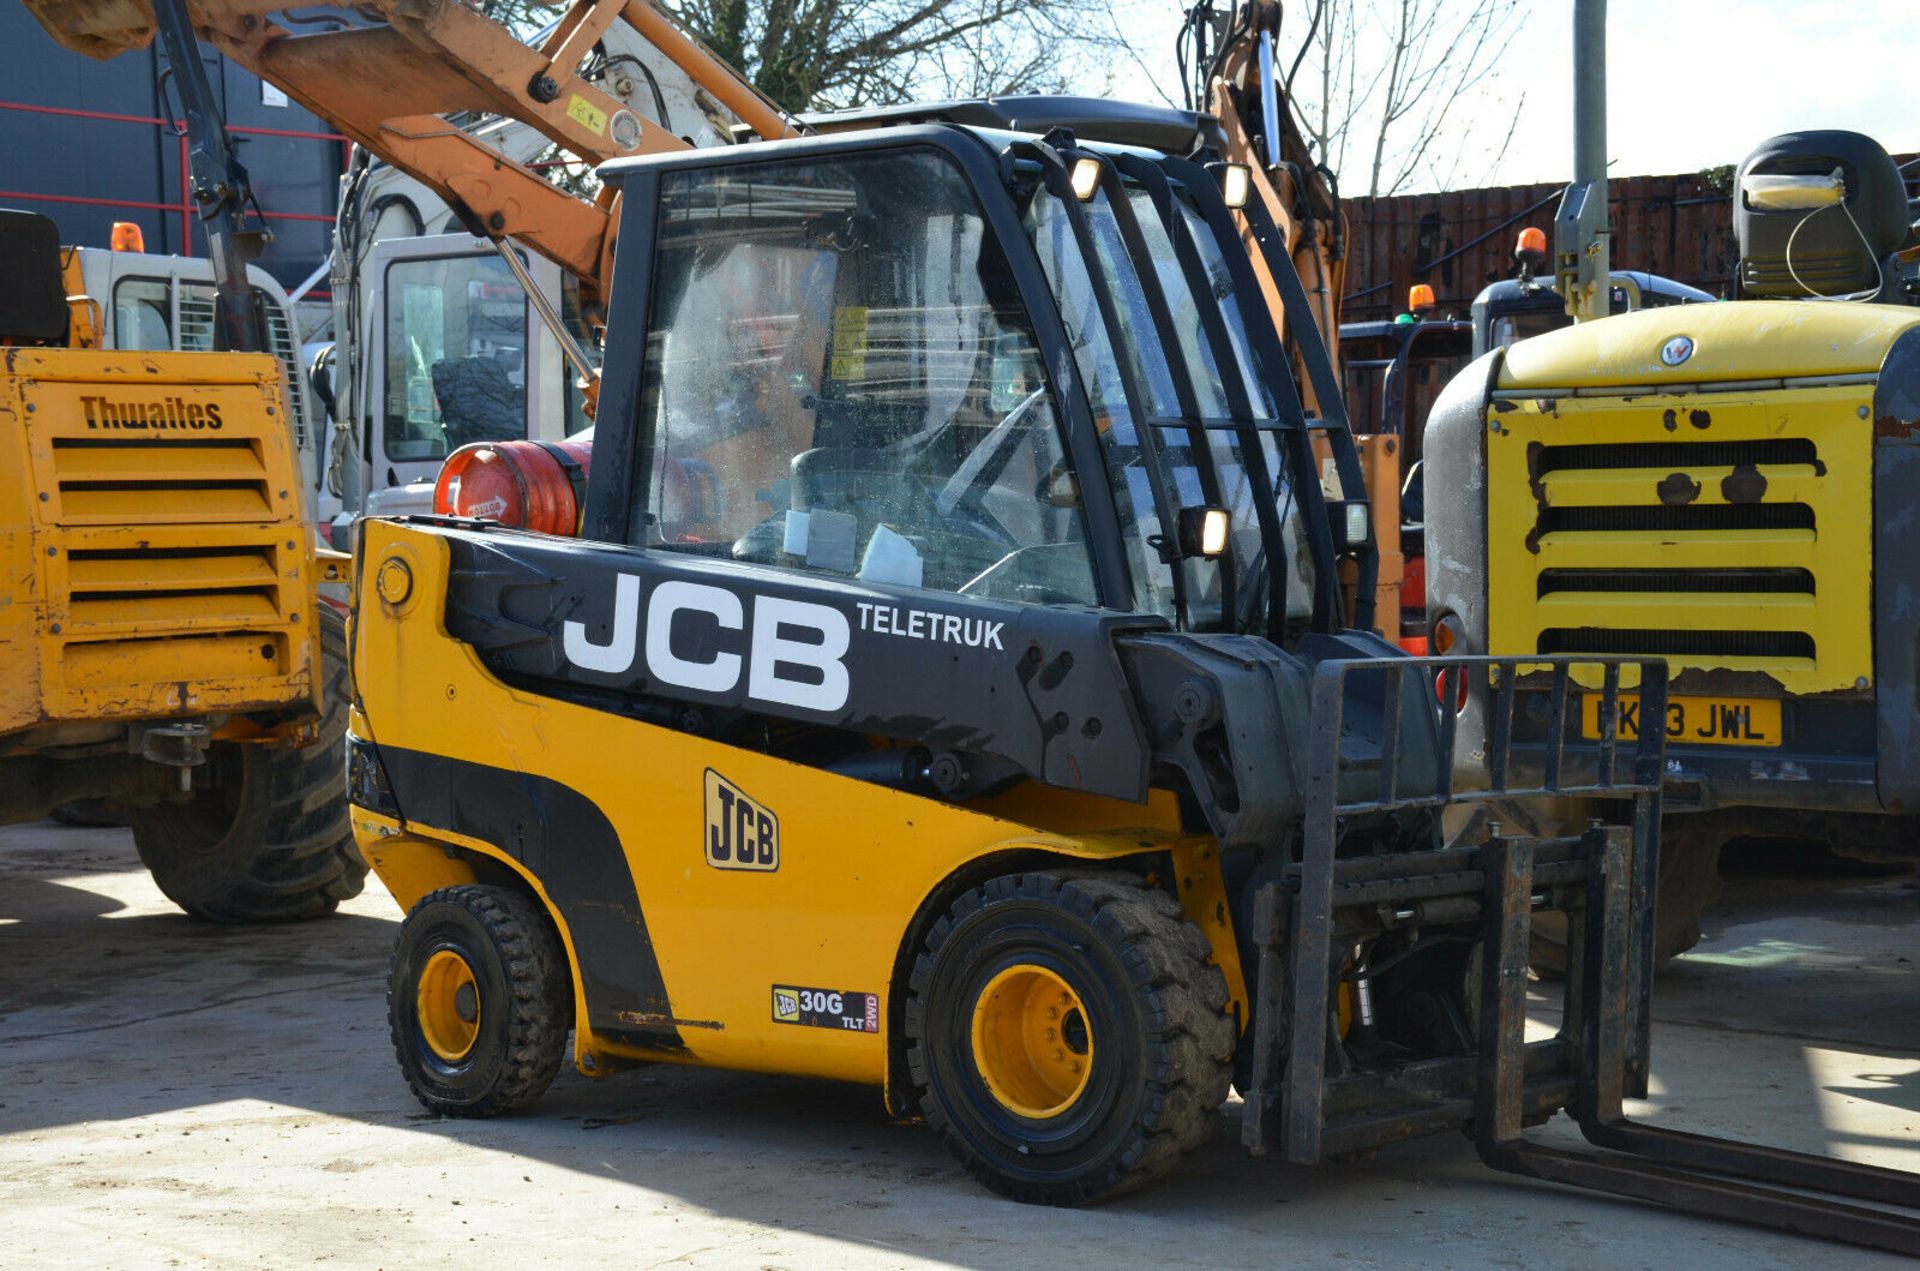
column 827, row 1008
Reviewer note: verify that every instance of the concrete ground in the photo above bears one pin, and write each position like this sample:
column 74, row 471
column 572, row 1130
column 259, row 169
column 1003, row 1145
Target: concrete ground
column 174, row 1094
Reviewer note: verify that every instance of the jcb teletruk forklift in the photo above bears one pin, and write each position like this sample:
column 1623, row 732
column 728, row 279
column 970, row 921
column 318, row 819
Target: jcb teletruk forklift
column 933, row 679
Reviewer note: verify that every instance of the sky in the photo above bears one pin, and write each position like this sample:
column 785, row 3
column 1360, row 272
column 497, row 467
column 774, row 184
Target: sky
column 1690, row 83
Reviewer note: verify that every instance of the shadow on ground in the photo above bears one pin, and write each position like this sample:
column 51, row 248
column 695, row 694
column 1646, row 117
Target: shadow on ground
column 174, row 1027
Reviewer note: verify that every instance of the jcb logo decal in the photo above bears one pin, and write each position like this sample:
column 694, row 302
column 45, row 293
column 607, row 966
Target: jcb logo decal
column 741, row 834
column 786, row 1006
column 794, row 654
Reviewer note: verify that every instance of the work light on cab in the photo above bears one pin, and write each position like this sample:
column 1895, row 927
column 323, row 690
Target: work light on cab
column 525, row 484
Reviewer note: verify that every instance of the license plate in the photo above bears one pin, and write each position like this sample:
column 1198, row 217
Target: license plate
column 1718, row 721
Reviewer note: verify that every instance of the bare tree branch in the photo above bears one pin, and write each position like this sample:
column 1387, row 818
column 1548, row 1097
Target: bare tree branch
column 1393, row 74
column 822, row 54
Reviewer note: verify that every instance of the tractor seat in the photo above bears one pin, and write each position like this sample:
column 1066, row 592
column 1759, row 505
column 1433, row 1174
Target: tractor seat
column 33, row 292
column 1819, row 213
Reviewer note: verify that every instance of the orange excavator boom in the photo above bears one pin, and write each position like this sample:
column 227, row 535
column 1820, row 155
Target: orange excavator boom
column 391, row 87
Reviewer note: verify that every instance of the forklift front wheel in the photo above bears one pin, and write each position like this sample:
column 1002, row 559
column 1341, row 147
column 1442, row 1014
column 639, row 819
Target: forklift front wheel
column 1067, row 1034
column 478, row 1001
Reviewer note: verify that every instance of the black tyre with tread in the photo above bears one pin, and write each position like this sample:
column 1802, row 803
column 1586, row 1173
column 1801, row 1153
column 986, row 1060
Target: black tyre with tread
column 1162, row 1043
column 524, row 1000
column 268, row 839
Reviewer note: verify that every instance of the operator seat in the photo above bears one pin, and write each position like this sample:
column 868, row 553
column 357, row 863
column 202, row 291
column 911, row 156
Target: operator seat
column 1844, row 216
column 33, row 293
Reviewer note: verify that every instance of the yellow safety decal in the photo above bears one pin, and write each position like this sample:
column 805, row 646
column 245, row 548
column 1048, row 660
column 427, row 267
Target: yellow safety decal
column 850, row 342
column 587, row 115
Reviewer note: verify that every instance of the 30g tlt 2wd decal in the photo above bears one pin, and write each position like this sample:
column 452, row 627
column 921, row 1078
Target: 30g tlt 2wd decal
column 826, row 1008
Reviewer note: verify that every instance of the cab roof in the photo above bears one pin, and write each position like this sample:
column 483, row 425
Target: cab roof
column 1097, row 119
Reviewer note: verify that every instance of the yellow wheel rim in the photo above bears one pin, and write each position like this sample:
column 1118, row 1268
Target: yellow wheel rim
column 447, row 1004
column 1032, row 1041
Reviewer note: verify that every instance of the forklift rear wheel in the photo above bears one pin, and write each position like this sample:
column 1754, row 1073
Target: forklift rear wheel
column 1067, row 1035
column 267, row 838
column 478, row 1001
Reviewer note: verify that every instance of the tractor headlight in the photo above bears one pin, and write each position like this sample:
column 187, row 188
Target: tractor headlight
column 1236, row 182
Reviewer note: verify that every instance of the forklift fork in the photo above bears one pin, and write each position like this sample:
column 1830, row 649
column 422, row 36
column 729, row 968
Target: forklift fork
column 1692, row 1172
column 1604, row 878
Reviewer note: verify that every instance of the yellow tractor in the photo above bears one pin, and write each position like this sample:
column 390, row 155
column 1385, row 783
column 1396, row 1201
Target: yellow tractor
column 169, row 652
column 1729, row 487
column 917, row 682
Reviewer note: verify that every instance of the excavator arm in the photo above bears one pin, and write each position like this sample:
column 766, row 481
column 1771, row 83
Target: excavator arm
column 1240, row 86
column 1236, row 59
column 390, row 87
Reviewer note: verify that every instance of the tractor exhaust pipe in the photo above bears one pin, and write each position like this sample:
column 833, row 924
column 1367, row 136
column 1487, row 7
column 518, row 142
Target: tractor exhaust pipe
column 1580, row 233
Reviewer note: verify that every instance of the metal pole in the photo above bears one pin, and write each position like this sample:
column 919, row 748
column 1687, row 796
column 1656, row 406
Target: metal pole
column 569, row 347
column 1582, row 266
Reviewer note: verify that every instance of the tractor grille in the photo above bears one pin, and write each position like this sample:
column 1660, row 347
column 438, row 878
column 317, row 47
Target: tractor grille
column 1724, row 531
column 1752, row 581
column 143, row 478
column 171, row 558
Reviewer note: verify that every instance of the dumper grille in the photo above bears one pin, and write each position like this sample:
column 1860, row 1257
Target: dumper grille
column 144, row 478
column 1726, row 531
column 171, row 554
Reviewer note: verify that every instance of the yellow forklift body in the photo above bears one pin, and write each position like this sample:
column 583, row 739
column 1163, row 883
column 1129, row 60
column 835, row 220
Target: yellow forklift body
column 1760, row 419
column 827, row 905
column 157, row 559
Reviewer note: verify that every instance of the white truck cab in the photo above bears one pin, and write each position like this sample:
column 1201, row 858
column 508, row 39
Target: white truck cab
column 449, row 352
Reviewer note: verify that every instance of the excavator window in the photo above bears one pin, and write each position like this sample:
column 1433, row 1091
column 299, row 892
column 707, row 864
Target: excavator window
column 840, row 377
column 456, row 347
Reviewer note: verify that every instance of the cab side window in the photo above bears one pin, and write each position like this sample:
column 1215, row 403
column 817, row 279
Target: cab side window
column 840, row 378
column 456, row 348
column 142, row 314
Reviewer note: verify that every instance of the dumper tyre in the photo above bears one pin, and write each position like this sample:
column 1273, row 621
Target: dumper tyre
column 1689, row 883
column 267, row 839
column 1135, row 1001
column 479, row 1001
